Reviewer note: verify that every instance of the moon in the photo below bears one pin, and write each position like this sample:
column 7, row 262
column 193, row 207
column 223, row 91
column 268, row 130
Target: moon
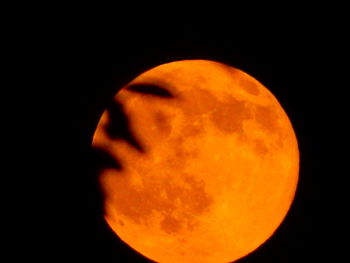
column 206, row 163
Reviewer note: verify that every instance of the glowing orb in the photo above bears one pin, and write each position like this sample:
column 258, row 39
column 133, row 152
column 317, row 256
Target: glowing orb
column 209, row 163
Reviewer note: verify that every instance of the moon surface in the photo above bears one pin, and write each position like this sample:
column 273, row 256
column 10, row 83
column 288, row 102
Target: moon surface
column 206, row 163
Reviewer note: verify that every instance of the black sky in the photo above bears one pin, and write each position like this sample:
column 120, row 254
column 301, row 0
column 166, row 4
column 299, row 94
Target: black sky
column 91, row 64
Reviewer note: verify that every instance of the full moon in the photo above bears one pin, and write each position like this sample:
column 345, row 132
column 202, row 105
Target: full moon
column 207, row 163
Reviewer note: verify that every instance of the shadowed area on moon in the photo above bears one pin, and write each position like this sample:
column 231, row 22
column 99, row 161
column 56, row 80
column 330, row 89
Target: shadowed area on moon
column 158, row 195
column 118, row 126
column 150, row 89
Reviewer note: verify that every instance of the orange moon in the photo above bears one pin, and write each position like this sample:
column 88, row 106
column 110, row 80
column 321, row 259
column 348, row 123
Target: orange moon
column 209, row 163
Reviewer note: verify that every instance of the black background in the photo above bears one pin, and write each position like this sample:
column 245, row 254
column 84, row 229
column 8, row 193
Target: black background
column 86, row 67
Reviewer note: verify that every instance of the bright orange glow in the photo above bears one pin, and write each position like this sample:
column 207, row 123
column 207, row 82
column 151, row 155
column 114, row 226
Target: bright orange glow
column 214, row 169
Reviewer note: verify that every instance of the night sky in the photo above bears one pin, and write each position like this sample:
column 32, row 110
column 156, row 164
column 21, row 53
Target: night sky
column 90, row 67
